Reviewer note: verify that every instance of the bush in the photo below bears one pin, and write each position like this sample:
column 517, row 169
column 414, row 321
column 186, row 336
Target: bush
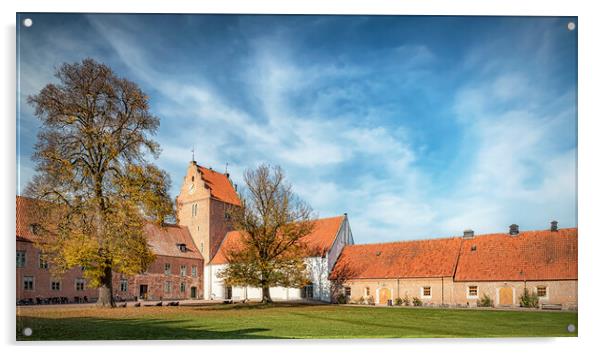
column 416, row 301
column 398, row 301
column 529, row 299
column 342, row 299
column 485, row 301
column 370, row 300
column 406, row 300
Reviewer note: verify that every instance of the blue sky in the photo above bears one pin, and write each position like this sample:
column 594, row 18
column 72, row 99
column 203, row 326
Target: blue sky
column 417, row 127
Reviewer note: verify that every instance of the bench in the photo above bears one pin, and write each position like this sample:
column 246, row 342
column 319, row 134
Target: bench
column 551, row 307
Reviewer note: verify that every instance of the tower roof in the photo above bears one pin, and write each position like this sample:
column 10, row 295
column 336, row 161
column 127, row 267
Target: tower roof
column 219, row 185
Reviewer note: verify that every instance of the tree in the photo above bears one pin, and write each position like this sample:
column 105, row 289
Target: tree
column 272, row 221
column 96, row 187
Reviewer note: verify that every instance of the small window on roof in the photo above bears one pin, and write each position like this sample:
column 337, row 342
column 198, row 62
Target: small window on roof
column 182, row 247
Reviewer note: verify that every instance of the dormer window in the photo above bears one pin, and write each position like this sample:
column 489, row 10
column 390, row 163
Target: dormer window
column 182, row 247
column 34, row 228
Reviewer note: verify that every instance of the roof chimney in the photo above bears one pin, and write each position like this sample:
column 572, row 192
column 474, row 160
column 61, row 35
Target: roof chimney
column 227, row 175
column 468, row 234
column 513, row 229
column 554, row 225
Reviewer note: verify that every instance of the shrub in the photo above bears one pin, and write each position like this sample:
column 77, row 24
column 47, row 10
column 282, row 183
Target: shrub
column 485, row 301
column 416, row 301
column 370, row 300
column 406, row 300
column 342, row 299
column 529, row 299
column 398, row 301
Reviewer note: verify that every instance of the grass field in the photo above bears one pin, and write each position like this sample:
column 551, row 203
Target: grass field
column 254, row 321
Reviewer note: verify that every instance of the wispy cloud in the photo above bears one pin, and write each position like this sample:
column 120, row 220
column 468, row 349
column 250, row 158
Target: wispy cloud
column 370, row 135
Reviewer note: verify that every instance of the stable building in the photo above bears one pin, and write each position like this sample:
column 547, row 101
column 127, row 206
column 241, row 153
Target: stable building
column 460, row 271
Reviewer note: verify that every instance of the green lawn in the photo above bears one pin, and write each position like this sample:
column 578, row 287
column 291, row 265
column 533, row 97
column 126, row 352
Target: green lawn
column 253, row 321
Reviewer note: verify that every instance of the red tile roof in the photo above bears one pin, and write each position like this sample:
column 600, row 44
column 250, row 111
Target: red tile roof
column 23, row 227
column 164, row 241
column 530, row 255
column 219, row 185
column 406, row 259
column 318, row 241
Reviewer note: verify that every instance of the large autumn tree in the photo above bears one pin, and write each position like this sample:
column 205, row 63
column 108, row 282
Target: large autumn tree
column 96, row 187
column 272, row 221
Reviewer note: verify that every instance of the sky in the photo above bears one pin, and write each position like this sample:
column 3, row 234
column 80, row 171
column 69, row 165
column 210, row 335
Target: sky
column 415, row 126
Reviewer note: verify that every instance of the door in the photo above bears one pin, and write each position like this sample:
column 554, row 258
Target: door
column 193, row 292
column 384, row 294
column 143, row 291
column 506, row 296
column 228, row 292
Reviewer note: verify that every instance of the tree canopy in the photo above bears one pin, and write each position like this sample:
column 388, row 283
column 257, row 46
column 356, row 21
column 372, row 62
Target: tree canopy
column 93, row 174
column 272, row 220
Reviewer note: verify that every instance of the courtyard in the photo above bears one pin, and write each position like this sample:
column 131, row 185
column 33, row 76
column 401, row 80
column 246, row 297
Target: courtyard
column 283, row 321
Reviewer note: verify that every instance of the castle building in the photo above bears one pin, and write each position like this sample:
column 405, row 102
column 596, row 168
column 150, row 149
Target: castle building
column 176, row 273
column 202, row 206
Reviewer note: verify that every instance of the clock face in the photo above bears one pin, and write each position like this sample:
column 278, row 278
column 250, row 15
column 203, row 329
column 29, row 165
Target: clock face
column 191, row 188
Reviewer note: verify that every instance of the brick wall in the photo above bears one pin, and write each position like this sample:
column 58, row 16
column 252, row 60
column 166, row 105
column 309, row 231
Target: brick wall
column 42, row 279
column 155, row 279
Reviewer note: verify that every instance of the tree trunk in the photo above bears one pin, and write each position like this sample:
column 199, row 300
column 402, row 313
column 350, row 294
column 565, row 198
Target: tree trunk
column 105, row 292
column 265, row 295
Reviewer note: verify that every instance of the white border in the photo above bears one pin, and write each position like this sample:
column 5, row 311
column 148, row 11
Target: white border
column 590, row 79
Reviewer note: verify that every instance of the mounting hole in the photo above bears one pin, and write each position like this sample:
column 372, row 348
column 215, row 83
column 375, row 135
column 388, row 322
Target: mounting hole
column 571, row 26
column 28, row 22
column 571, row 328
column 27, row 331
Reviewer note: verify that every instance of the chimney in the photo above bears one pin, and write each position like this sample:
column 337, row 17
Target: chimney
column 513, row 229
column 468, row 234
column 227, row 175
column 554, row 226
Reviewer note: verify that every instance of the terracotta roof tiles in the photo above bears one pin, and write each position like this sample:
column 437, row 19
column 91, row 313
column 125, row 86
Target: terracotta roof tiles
column 530, row 255
column 219, row 185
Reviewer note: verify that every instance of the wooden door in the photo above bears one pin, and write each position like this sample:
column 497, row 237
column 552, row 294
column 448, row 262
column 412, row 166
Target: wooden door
column 193, row 292
column 506, row 296
column 384, row 294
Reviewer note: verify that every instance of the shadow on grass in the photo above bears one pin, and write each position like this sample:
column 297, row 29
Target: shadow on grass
column 91, row 328
column 256, row 306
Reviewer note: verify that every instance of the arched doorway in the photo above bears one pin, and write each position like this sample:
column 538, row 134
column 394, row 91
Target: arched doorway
column 384, row 294
column 506, row 296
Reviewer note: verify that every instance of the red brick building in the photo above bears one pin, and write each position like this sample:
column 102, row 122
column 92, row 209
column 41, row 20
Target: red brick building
column 176, row 273
column 35, row 282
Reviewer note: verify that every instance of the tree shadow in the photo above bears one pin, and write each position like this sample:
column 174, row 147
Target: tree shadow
column 92, row 328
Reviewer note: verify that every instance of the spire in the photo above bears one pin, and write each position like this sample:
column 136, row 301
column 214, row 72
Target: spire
column 193, row 153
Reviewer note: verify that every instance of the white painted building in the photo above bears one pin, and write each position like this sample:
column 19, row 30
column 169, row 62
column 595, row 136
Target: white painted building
column 327, row 240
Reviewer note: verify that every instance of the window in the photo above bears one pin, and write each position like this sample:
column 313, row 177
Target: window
column 473, row 291
column 426, row 291
column 308, row 292
column 34, row 228
column 79, row 284
column 123, row 285
column 167, row 268
column 183, row 271
column 182, row 247
column 227, row 214
column 20, row 259
column 55, row 285
column 195, row 209
column 367, row 291
column 28, row 283
column 542, row 291
column 193, row 271
column 347, row 291
column 202, row 247
column 167, row 287
column 182, row 287
column 43, row 263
